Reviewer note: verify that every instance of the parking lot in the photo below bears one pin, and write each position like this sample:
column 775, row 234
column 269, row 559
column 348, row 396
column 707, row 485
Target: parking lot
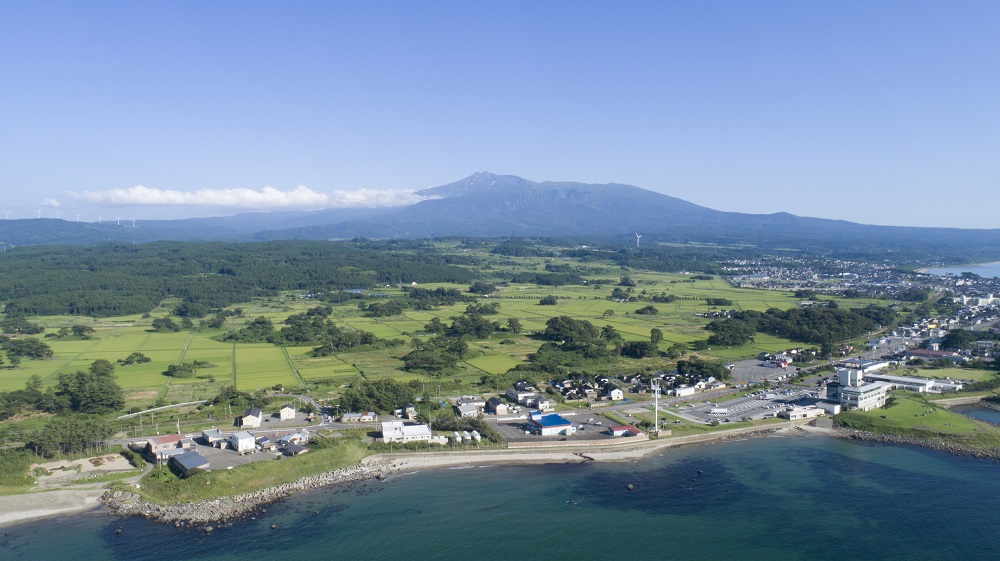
column 757, row 405
column 589, row 427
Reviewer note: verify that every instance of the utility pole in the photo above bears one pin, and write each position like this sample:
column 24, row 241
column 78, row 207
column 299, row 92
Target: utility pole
column 655, row 384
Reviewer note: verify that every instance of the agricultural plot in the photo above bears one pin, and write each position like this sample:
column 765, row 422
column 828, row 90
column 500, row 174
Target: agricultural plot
column 493, row 364
column 260, row 366
column 377, row 329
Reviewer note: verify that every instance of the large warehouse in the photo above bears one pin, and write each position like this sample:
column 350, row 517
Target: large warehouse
column 551, row 424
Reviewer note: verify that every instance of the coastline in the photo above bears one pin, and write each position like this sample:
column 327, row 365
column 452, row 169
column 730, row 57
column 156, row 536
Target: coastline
column 15, row 509
column 971, row 267
column 204, row 515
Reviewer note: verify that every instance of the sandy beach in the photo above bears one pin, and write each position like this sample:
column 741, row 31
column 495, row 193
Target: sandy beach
column 43, row 504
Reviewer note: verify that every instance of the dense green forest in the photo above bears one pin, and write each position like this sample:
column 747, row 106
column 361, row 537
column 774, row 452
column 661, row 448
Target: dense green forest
column 808, row 325
column 104, row 281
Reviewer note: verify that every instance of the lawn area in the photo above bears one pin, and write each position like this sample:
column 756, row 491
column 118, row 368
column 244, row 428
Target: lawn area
column 913, row 415
column 953, row 373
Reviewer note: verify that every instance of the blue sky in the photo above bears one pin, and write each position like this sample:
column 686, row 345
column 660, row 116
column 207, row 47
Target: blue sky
column 874, row 112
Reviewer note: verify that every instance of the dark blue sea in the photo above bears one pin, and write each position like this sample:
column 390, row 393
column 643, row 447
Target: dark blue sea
column 789, row 498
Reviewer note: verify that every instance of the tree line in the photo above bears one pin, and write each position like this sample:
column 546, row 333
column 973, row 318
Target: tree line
column 104, row 281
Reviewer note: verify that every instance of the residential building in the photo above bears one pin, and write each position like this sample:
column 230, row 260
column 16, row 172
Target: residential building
column 162, row 447
column 396, row 431
column 213, row 437
column 497, row 406
column 251, row 418
column 242, row 441
column 287, row 412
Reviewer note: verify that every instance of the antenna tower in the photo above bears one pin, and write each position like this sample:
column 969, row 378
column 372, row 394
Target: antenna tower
column 655, row 385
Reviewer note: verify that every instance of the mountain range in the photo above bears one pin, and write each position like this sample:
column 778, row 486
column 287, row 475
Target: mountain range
column 490, row 206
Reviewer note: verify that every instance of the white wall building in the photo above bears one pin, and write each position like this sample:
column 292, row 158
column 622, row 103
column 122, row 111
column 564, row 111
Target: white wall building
column 396, row 431
column 865, row 397
column 242, row 442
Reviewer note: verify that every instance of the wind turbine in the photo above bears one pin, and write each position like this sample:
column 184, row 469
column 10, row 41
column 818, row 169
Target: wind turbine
column 57, row 214
column 119, row 219
column 99, row 218
column 133, row 222
column 7, row 212
column 77, row 217
column 637, row 236
column 39, row 211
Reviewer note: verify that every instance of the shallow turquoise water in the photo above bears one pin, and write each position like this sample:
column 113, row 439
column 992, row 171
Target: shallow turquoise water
column 808, row 498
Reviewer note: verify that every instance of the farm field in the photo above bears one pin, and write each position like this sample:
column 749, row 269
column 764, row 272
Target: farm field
column 262, row 365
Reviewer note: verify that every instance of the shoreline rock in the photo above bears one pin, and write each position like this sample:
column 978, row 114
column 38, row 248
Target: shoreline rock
column 989, row 405
column 936, row 445
column 223, row 509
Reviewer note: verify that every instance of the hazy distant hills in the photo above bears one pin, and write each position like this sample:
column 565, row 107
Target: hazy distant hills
column 489, row 205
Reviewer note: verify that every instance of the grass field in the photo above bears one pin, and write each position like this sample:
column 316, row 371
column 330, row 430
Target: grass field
column 912, row 414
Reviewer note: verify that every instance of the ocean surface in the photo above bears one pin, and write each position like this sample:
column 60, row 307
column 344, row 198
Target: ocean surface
column 780, row 498
column 978, row 412
column 985, row 270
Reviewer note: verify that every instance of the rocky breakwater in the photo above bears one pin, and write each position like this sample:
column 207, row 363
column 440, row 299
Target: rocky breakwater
column 214, row 511
column 938, row 445
column 751, row 434
column 989, row 404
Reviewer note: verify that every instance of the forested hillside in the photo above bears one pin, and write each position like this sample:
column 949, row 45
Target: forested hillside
column 104, row 281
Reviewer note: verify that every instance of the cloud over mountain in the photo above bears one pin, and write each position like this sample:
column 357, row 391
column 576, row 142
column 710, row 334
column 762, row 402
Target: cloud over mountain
column 242, row 198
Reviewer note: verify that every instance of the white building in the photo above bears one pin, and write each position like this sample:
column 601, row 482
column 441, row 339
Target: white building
column 242, row 442
column 396, row 431
column 287, row 412
column 467, row 410
column 865, row 397
column 801, row 413
column 682, row 391
column 912, row 384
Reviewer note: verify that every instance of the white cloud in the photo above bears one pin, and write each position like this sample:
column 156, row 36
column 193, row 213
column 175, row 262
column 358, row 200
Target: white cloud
column 266, row 197
column 49, row 201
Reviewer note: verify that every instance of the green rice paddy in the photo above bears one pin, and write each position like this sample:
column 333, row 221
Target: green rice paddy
column 254, row 366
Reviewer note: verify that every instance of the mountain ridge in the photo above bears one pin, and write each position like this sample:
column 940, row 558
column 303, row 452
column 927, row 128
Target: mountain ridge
column 489, row 205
